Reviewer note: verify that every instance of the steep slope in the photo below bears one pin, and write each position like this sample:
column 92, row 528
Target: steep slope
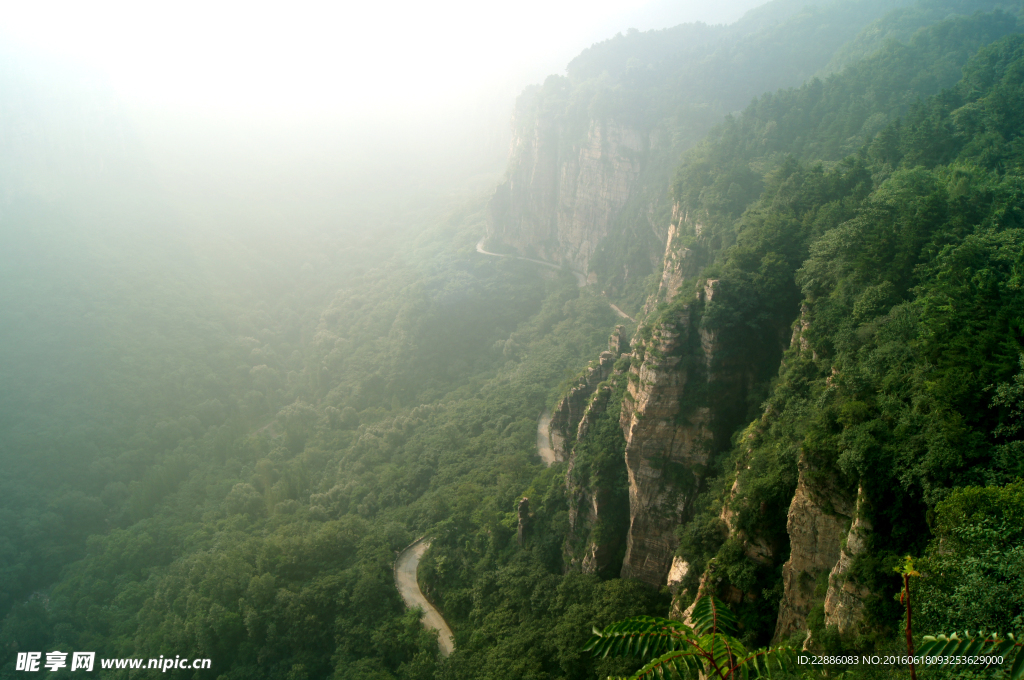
column 815, row 245
column 831, row 502
column 593, row 152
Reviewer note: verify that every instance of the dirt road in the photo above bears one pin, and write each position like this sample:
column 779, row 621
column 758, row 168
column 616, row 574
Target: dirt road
column 405, row 579
column 581, row 278
column 545, row 446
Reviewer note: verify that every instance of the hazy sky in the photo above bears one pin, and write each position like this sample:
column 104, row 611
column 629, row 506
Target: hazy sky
column 294, row 102
column 278, row 59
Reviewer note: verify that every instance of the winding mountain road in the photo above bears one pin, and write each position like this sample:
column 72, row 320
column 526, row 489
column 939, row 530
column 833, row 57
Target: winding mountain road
column 547, row 441
column 581, row 278
column 405, row 580
column 408, row 560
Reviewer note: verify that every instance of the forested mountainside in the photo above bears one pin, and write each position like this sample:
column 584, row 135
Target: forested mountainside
column 214, row 444
column 835, row 348
column 592, row 152
column 214, row 438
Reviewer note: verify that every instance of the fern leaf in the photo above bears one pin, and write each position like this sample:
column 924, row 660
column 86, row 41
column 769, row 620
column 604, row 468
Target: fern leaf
column 711, row 614
column 1003, row 648
column 1017, row 668
column 642, row 636
column 771, row 660
column 680, row 662
column 1010, row 648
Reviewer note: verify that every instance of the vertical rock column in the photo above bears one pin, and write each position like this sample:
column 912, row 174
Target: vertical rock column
column 523, row 512
column 818, row 519
column 590, row 501
column 844, row 601
column 666, row 448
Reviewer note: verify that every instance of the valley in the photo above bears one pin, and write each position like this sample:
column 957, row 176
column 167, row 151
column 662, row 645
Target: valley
column 738, row 322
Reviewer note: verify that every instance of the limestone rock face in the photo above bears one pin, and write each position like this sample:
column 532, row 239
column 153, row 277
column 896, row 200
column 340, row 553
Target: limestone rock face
column 596, row 407
column 618, row 343
column 574, row 418
column 559, row 200
column 590, row 503
column 680, row 568
column 585, row 514
column 680, row 263
column 818, row 519
column 756, row 548
column 567, row 417
column 844, row 602
column 666, row 449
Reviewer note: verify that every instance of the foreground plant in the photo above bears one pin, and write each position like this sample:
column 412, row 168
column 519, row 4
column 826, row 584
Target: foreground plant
column 952, row 652
column 707, row 649
column 967, row 652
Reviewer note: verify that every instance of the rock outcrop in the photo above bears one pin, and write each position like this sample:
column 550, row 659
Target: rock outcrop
column 667, row 444
column 680, row 263
column 523, row 515
column 819, row 517
column 567, row 417
column 594, row 541
column 618, row 342
column 756, row 548
column 560, row 199
column 844, row 601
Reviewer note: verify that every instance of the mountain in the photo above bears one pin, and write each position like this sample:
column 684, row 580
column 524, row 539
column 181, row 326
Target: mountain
column 227, row 407
column 593, row 152
column 819, row 368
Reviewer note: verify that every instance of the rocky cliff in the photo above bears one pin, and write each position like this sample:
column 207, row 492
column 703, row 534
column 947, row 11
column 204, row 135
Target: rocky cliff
column 680, row 262
column 568, row 417
column 561, row 197
column 594, row 541
column 819, row 516
column 773, row 518
column 593, row 153
column 667, row 444
column 845, row 600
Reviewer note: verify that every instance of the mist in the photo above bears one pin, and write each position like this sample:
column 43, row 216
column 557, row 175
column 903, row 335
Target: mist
column 305, row 113
column 415, row 341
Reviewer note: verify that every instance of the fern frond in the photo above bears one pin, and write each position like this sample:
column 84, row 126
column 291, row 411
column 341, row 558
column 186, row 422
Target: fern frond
column 1010, row 648
column 712, row 615
column 680, row 663
column 676, row 650
column 768, row 660
column 721, row 650
column 640, row 636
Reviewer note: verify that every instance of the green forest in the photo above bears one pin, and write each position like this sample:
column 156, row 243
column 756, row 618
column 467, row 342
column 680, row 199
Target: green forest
column 905, row 260
column 216, row 445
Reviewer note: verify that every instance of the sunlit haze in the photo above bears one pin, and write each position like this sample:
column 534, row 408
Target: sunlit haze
column 273, row 59
column 278, row 109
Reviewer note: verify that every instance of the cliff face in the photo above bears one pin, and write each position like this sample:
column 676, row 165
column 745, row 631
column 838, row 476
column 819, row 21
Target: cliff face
column 785, row 496
column 561, row 198
column 844, row 601
column 819, row 517
column 667, row 447
column 588, row 548
column 594, row 540
column 680, row 262
column 568, row 417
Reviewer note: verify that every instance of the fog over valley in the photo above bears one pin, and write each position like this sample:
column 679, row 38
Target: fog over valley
column 546, row 341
